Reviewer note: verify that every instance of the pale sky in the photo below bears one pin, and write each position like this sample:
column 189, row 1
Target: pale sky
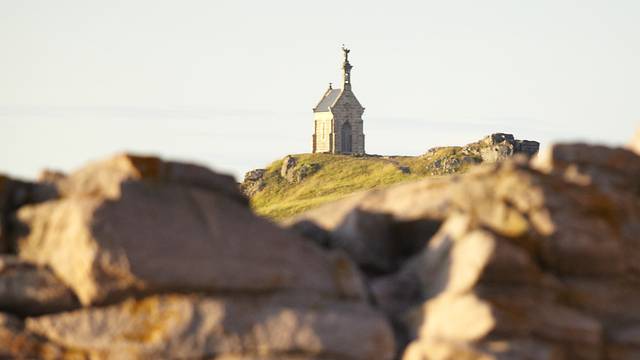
column 231, row 84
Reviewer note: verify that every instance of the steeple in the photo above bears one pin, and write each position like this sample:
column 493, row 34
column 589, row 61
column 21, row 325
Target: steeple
column 337, row 118
column 346, row 70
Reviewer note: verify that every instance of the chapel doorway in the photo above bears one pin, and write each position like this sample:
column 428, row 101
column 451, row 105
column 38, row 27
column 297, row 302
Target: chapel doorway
column 346, row 138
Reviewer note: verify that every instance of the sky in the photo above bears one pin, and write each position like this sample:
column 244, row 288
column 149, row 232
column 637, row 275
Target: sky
column 232, row 84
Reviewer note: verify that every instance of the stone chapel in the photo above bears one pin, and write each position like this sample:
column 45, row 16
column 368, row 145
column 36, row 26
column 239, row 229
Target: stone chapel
column 338, row 118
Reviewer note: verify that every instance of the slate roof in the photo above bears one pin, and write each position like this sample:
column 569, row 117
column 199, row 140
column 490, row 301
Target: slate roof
column 329, row 98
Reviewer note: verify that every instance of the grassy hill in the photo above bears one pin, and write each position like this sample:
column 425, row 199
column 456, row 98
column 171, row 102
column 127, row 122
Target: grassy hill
column 315, row 179
column 337, row 177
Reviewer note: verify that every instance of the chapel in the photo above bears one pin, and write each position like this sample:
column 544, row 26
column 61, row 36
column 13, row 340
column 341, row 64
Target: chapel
column 337, row 118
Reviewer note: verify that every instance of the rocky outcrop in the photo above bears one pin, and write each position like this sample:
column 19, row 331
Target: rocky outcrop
column 492, row 148
column 167, row 261
column 104, row 178
column 26, row 289
column 187, row 327
column 49, row 176
column 291, row 170
column 99, row 236
column 452, row 165
column 500, row 146
column 305, row 170
column 288, row 164
column 13, row 195
column 253, row 182
column 294, row 172
column 528, row 263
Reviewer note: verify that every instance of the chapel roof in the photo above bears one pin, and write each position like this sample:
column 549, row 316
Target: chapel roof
column 327, row 100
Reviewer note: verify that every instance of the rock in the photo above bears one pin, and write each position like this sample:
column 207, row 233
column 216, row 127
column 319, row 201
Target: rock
column 311, row 231
column 286, row 171
column 452, row 164
column 29, row 290
column 469, row 160
column 498, row 138
column 404, row 169
column 104, row 178
column 266, row 357
column 396, row 293
column 13, row 195
column 595, row 296
column 482, row 286
column 501, row 144
column 497, row 152
column 51, row 176
column 120, row 232
column 528, row 263
column 490, row 350
column 253, row 182
column 254, row 175
column 17, row 343
column 378, row 243
column 624, row 343
column 306, row 170
column 611, row 170
column 180, row 326
column 365, row 237
column 492, row 148
column 294, row 172
column 527, row 147
column 433, row 150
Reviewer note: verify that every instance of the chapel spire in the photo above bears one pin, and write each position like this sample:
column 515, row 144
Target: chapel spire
column 337, row 118
column 346, row 69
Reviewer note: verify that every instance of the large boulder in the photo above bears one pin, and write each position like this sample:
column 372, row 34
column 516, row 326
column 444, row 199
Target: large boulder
column 104, row 178
column 294, row 171
column 180, row 326
column 496, row 147
column 532, row 261
column 490, row 149
column 253, row 182
column 500, row 146
column 288, row 165
column 26, row 289
column 481, row 286
column 611, row 170
column 137, row 225
column 14, row 194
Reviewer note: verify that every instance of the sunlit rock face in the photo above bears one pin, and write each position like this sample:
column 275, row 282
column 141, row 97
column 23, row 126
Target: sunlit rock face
column 100, row 236
column 140, row 258
column 535, row 261
column 189, row 326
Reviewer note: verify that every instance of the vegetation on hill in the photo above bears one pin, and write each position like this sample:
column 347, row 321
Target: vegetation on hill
column 309, row 180
column 337, row 177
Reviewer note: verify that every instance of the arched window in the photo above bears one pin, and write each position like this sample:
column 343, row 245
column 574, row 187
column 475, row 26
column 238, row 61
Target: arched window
column 346, row 138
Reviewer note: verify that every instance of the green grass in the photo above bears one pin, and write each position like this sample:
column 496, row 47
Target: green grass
column 342, row 175
column 339, row 176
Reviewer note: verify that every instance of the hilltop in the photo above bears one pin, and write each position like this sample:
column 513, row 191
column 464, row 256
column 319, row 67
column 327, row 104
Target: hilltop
column 299, row 182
